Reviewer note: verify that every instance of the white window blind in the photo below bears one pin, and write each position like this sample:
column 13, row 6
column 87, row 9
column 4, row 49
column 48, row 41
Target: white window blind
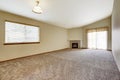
column 97, row 38
column 19, row 33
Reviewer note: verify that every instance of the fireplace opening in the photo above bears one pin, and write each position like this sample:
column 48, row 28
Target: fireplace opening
column 74, row 45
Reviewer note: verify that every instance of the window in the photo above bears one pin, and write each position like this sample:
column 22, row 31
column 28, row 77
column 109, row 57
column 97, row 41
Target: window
column 97, row 38
column 20, row 33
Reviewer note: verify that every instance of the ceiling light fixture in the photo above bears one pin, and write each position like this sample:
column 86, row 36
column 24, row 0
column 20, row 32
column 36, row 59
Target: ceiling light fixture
column 37, row 9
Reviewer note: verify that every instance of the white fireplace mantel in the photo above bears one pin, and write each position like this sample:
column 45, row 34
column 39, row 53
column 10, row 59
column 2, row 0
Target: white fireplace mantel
column 75, row 41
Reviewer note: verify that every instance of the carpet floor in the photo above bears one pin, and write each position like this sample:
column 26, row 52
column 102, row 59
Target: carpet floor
column 62, row 65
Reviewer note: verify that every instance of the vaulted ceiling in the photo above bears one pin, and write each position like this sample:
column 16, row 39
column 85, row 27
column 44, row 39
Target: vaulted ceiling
column 62, row 13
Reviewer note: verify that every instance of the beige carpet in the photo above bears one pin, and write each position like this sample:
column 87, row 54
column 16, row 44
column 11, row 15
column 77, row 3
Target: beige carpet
column 62, row 65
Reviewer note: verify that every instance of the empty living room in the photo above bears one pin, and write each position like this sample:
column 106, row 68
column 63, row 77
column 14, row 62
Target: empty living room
column 60, row 40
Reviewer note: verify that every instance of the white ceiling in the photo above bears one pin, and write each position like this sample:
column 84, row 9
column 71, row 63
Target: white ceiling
column 62, row 13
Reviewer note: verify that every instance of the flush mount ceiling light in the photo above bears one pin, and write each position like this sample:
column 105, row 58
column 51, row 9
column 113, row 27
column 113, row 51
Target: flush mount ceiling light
column 37, row 9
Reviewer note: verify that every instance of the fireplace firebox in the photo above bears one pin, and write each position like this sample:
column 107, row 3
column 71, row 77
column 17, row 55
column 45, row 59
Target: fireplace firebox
column 74, row 45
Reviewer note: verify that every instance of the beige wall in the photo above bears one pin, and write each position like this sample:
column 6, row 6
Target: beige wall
column 116, row 32
column 102, row 23
column 80, row 33
column 52, row 38
column 75, row 34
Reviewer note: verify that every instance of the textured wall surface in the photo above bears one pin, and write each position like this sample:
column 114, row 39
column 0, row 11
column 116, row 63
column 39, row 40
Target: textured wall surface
column 80, row 33
column 116, row 32
column 51, row 38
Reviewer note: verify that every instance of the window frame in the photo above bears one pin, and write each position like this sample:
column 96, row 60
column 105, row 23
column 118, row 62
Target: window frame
column 17, row 43
column 107, row 29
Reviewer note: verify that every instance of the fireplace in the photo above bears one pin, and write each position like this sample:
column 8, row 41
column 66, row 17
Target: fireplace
column 74, row 45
